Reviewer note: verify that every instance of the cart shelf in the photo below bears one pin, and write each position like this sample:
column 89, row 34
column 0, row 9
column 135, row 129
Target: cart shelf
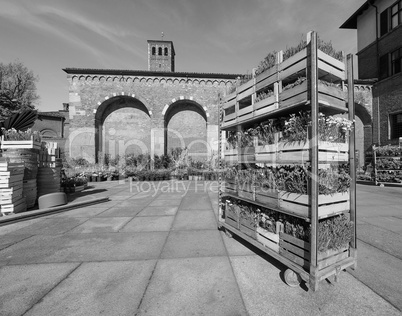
column 308, row 81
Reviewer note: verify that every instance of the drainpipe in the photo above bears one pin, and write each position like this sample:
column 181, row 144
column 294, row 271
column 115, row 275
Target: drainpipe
column 371, row 2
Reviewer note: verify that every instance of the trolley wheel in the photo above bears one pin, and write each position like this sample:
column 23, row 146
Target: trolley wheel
column 292, row 278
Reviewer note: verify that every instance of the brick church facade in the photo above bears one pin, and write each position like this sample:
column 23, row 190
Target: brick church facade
column 117, row 112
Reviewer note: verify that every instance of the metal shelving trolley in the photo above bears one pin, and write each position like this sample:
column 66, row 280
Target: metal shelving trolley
column 287, row 155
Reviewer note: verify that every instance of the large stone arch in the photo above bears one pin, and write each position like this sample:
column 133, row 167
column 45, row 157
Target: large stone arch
column 186, row 125
column 364, row 130
column 113, row 105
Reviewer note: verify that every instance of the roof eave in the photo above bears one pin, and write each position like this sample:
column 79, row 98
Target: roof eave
column 351, row 23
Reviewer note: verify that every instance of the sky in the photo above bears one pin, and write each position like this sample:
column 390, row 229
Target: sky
column 209, row 36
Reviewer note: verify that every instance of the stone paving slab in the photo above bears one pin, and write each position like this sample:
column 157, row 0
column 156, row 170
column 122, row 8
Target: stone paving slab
column 7, row 229
column 51, row 226
column 99, row 288
column 122, row 211
column 169, row 196
column 387, row 222
column 165, row 203
column 385, row 278
column 196, row 243
column 194, row 220
column 134, row 202
column 149, row 223
column 108, row 204
column 381, row 238
column 158, row 211
column 101, row 225
column 235, row 247
column 85, row 247
column 192, row 286
column 23, row 286
column 81, row 212
column 264, row 293
column 8, row 240
column 196, row 201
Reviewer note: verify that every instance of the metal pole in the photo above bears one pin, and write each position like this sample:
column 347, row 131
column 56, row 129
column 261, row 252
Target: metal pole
column 352, row 148
column 313, row 139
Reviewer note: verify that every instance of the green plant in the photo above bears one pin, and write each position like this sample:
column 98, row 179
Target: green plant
column 334, row 233
column 388, row 150
column 270, row 60
column 13, row 134
column 232, row 139
column 330, row 128
column 265, row 132
column 263, row 95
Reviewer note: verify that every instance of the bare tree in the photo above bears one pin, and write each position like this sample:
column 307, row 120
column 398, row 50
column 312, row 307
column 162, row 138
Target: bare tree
column 17, row 89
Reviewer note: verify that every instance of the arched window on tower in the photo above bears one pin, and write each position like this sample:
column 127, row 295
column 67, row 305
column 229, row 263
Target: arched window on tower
column 160, row 51
column 166, row 51
column 153, row 50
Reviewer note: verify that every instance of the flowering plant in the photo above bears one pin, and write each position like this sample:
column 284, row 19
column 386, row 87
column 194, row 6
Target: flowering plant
column 13, row 134
column 330, row 128
column 266, row 132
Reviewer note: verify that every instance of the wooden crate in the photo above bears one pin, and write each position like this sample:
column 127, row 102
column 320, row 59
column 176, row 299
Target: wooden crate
column 268, row 197
column 16, row 207
column 11, row 166
column 231, row 155
column 268, row 239
column 232, row 215
column 298, row 251
column 229, row 186
column 15, row 144
column 246, row 154
column 266, row 153
column 248, row 225
column 327, row 204
column 245, row 191
column 293, row 96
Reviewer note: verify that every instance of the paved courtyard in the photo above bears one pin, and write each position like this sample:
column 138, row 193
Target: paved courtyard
column 154, row 249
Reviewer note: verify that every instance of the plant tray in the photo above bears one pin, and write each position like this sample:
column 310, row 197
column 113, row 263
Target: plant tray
column 298, row 251
column 16, row 144
column 231, row 155
column 246, row 154
column 293, row 96
column 327, row 204
column 230, row 187
column 267, row 197
column 268, row 239
column 246, row 192
column 290, row 152
column 247, row 226
column 232, row 217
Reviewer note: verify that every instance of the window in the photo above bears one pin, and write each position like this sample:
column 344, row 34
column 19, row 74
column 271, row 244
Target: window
column 391, row 18
column 396, row 58
column 153, row 50
column 166, row 51
column 160, row 51
column 396, row 14
column 396, row 125
column 384, row 22
column 384, row 62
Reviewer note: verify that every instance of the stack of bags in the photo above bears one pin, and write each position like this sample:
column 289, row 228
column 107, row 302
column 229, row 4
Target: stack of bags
column 12, row 199
column 48, row 180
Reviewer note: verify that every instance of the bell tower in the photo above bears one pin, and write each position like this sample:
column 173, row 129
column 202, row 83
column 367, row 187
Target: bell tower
column 161, row 56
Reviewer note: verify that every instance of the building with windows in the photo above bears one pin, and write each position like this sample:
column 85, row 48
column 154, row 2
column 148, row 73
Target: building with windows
column 379, row 41
column 118, row 112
